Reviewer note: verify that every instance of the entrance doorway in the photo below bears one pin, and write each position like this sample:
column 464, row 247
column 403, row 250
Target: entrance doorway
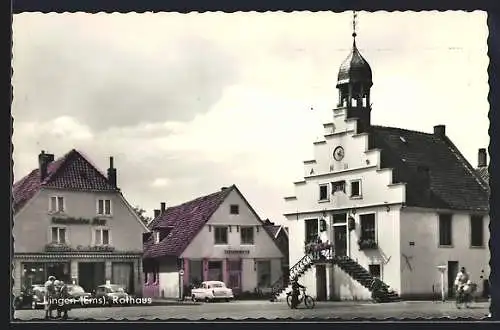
column 122, row 273
column 214, row 271
column 321, row 283
column 452, row 274
column 234, row 278
column 91, row 275
column 340, row 239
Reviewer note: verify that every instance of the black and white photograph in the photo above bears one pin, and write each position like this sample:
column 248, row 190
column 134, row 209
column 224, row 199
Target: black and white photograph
column 250, row 165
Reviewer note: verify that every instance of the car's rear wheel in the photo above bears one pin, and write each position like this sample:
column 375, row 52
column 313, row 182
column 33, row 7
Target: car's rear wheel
column 207, row 299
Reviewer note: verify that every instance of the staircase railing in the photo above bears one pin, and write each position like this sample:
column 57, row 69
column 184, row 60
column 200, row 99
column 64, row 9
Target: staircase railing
column 299, row 265
column 314, row 252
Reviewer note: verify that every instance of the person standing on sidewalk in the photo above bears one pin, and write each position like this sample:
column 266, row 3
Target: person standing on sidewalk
column 50, row 292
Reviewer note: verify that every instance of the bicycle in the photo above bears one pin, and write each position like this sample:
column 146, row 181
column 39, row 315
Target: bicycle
column 464, row 295
column 307, row 299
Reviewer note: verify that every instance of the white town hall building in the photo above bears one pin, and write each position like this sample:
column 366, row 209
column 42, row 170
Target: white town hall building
column 394, row 203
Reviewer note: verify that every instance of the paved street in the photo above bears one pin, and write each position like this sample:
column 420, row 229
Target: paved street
column 268, row 310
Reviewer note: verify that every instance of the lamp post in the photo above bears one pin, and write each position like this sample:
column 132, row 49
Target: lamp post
column 442, row 269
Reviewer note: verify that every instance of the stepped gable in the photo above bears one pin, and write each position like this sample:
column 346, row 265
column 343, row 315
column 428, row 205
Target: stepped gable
column 436, row 173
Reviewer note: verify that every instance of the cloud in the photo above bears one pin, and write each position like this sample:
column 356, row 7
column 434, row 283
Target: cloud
column 190, row 103
column 160, row 182
column 104, row 85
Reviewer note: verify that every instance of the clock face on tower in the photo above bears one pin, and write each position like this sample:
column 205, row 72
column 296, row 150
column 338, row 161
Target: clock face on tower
column 338, row 153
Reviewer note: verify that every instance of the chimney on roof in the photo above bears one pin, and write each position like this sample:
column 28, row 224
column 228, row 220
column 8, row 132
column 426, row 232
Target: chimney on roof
column 111, row 173
column 440, row 130
column 43, row 162
column 223, row 188
column 163, row 207
column 481, row 158
column 156, row 213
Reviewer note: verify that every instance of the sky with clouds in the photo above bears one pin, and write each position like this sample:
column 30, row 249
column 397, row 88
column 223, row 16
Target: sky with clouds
column 188, row 103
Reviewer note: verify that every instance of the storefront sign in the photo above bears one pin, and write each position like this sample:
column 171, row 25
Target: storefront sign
column 237, row 251
column 79, row 221
column 82, row 248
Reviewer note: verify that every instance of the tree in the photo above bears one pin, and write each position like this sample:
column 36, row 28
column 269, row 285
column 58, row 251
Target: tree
column 141, row 214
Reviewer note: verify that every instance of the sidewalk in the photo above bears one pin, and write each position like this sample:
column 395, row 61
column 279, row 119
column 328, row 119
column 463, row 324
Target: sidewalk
column 172, row 302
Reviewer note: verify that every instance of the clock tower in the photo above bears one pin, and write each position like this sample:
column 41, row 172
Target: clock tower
column 354, row 82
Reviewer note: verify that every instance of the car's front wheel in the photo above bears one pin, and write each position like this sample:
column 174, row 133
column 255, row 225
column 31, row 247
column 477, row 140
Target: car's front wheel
column 193, row 298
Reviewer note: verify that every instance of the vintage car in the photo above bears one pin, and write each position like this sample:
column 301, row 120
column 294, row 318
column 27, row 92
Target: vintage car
column 77, row 295
column 212, row 291
column 31, row 296
column 112, row 294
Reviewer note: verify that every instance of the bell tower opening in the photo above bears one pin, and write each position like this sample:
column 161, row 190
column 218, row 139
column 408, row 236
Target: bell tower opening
column 354, row 82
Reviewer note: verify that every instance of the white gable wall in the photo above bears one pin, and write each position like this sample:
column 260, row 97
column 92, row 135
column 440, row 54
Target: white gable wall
column 202, row 246
column 264, row 248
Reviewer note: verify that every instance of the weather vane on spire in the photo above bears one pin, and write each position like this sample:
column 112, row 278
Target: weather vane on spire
column 354, row 23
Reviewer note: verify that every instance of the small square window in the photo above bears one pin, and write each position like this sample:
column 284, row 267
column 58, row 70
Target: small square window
column 338, row 186
column 374, row 270
column 234, row 209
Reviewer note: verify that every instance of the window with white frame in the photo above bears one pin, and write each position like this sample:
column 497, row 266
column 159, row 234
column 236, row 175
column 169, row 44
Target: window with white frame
column 356, row 188
column 220, row 235
column 56, row 204
column 323, row 192
column 246, row 234
column 101, row 236
column 445, row 230
column 156, row 235
column 476, row 231
column 104, row 207
column 367, row 226
column 58, row 235
column 234, row 209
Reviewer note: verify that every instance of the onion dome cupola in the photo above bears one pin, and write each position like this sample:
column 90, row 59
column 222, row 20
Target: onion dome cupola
column 354, row 82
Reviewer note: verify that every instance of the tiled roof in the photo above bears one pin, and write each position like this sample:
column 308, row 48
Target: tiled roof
column 484, row 174
column 272, row 230
column 72, row 171
column 452, row 183
column 185, row 221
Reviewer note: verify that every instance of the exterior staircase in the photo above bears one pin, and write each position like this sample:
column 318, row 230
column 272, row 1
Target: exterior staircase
column 348, row 265
column 297, row 270
column 361, row 275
